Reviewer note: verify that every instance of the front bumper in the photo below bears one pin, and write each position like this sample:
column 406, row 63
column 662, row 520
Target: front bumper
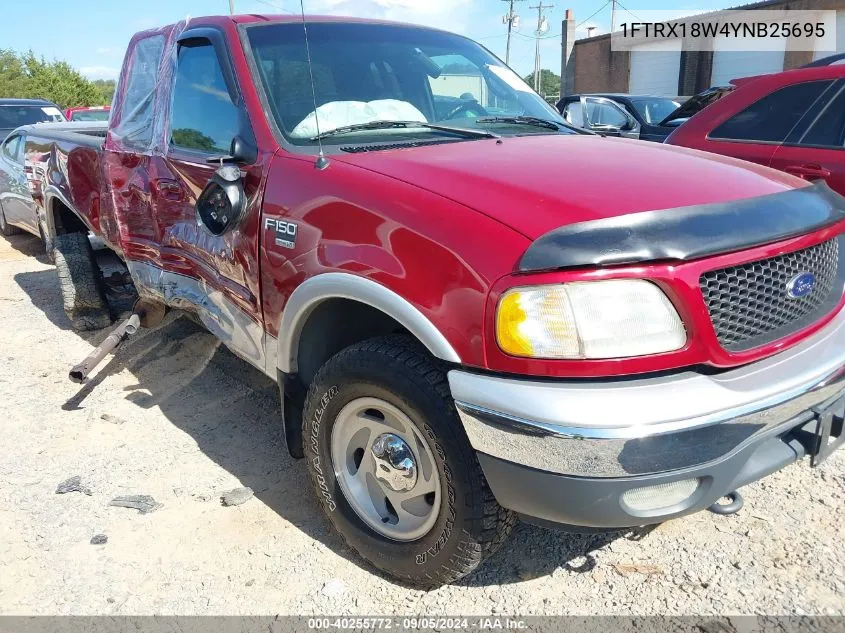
column 566, row 451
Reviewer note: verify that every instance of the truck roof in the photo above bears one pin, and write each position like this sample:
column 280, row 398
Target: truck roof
column 253, row 18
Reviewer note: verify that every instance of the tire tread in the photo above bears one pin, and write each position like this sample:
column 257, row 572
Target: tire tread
column 80, row 283
column 490, row 524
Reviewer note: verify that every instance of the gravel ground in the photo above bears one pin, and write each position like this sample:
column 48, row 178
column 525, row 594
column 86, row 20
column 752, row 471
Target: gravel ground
column 174, row 415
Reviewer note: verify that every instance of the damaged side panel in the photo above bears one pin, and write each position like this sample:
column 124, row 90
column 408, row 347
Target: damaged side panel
column 153, row 188
column 220, row 316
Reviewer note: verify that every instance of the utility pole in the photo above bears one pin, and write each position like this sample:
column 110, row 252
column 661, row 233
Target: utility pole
column 512, row 20
column 612, row 16
column 231, row 7
column 542, row 29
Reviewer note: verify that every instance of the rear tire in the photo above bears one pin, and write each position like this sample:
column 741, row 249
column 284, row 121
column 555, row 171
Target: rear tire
column 5, row 228
column 469, row 525
column 80, row 282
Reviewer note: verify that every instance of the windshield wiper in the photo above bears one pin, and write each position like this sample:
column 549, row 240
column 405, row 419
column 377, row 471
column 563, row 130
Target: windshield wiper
column 384, row 125
column 522, row 120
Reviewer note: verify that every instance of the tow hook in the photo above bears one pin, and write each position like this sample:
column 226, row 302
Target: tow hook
column 144, row 314
column 732, row 507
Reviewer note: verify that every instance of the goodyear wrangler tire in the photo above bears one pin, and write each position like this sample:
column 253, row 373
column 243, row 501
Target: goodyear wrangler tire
column 80, row 282
column 392, row 468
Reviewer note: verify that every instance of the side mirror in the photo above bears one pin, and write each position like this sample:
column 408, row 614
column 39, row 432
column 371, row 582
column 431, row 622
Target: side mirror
column 241, row 152
column 223, row 201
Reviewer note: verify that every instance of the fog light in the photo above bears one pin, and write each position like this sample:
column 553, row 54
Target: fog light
column 650, row 498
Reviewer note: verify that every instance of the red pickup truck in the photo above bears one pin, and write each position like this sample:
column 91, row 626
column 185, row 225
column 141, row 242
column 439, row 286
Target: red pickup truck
column 474, row 312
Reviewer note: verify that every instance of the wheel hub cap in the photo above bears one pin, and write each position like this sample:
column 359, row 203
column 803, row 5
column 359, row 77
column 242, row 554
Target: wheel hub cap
column 396, row 467
column 386, row 469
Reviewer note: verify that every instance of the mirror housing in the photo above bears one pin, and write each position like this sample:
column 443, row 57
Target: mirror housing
column 241, row 152
column 222, row 203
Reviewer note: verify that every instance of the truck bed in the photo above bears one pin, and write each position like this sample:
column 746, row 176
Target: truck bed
column 65, row 163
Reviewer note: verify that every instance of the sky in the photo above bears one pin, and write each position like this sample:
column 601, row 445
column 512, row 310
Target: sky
column 92, row 34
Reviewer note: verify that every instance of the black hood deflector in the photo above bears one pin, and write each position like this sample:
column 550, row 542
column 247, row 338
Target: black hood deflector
column 686, row 233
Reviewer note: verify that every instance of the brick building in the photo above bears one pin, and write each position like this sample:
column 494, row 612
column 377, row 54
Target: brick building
column 665, row 68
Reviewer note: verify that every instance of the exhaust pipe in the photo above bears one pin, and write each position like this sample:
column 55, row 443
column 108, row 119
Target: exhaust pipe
column 79, row 373
column 143, row 314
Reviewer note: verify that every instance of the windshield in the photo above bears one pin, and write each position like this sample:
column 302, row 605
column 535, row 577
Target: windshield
column 378, row 72
column 90, row 115
column 12, row 116
column 653, row 111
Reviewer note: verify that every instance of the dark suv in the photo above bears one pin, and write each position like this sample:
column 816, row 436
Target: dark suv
column 17, row 112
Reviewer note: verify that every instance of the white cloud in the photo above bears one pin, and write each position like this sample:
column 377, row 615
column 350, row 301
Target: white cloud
column 103, row 51
column 100, row 72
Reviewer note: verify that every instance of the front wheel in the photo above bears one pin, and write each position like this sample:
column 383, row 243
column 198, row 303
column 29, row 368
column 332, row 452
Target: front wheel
column 392, row 467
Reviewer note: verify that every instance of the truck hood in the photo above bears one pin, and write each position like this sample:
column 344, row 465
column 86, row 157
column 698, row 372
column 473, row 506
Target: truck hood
column 538, row 183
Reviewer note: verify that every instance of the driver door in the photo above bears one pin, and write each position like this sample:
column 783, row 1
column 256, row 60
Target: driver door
column 216, row 270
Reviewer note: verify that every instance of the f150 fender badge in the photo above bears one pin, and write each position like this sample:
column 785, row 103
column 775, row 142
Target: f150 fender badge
column 283, row 231
column 801, row 285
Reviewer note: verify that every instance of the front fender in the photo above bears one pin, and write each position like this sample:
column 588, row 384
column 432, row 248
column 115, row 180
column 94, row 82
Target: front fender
column 425, row 261
column 339, row 285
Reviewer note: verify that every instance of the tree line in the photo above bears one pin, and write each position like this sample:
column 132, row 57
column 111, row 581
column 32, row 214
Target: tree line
column 23, row 75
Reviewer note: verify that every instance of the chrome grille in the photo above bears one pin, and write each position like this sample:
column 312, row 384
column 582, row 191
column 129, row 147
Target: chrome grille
column 750, row 304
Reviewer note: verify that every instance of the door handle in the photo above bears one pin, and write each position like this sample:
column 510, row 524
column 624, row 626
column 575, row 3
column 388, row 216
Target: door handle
column 167, row 188
column 809, row 171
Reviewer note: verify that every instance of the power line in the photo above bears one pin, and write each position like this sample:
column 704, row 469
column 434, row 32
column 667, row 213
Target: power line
column 534, row 37
column 594, row 14
column 275, row 6
column 629, row 11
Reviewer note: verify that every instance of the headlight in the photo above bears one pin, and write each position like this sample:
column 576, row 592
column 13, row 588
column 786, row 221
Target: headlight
column 596, row 319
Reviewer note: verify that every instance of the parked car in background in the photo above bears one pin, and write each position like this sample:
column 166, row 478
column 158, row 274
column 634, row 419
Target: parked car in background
column 793, row 121
column 20, row 177
column 634, row 116
column 88, row 113
column 17, row 112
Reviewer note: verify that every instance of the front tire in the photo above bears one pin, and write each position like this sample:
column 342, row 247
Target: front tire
column 392, row 467
column 80, row 282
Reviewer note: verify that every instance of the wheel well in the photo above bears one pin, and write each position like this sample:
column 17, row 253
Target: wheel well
column 332, row 326
column 64, row 219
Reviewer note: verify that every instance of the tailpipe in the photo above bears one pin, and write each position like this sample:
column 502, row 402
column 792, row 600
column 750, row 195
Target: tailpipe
column 143, row 314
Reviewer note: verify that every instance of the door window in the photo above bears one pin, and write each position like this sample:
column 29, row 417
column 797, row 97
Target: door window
column 202, row 117
column 574, row 114
column 605, row 113
column 772, row 118
column 828, row 130
column 12, row 148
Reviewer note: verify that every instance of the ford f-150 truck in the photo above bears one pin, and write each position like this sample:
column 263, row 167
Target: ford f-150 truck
column 474, row 312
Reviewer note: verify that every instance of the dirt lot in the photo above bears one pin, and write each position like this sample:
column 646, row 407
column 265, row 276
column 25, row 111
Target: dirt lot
column 176, row 416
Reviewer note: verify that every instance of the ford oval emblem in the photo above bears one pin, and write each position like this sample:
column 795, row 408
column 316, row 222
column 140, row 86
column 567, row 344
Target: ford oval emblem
column 801, row 285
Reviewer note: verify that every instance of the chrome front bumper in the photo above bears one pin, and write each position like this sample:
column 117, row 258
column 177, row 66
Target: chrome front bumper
column 627, row 427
